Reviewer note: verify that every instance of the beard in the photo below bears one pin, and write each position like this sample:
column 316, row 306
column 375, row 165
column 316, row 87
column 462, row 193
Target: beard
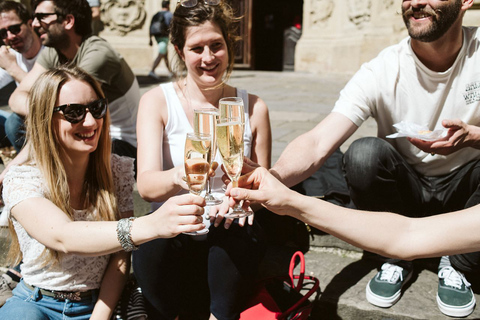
column 443, row 17
column 56, row 38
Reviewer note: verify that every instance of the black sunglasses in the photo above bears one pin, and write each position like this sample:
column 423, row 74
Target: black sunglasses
column 14, row 29
column 74, row 112
column 42, row 15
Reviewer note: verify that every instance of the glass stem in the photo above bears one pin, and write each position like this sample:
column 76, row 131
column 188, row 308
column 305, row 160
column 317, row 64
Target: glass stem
column 209, row 186
column 238, row 204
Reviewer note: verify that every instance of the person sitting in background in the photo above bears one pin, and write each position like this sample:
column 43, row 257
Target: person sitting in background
column 63, row 204
column 194, row 277
column 17, row 56
column 65, row 29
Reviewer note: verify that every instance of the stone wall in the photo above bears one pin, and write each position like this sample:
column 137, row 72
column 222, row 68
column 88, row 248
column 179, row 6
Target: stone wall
column 126, row 24
column 339, row 35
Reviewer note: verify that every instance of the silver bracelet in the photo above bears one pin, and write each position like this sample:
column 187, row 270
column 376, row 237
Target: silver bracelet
column 124, row 234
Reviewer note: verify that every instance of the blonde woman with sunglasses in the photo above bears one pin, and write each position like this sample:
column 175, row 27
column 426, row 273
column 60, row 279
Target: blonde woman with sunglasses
column 63, row 204
column 197, row 277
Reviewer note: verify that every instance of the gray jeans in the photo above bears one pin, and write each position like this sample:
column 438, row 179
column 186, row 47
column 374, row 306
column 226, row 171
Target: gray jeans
column 379, row 179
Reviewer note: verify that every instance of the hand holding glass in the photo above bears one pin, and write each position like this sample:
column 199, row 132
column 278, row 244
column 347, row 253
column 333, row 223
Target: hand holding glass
column 230, row 145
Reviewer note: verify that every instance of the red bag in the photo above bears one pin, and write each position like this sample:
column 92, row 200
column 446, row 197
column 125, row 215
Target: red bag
column 280, row 298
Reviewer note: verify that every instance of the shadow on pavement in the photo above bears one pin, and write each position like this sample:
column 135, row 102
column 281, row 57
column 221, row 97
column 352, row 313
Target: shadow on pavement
column 146, row 81
column 327, row 306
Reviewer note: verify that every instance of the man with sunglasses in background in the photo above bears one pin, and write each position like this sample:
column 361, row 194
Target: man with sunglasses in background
column 18, row 54
column 65, row 29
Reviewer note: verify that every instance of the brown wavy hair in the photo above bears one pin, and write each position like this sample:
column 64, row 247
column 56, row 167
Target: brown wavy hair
column 222, row 15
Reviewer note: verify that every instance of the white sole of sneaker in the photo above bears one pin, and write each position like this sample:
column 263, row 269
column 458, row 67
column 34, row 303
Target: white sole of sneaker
column 457, row 312
column 384, row 302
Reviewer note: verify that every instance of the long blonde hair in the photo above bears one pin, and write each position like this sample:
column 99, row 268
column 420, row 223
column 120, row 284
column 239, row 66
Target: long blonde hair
column 45, row 152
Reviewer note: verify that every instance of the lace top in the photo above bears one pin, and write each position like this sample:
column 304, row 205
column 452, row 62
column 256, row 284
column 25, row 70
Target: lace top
column 73, row 272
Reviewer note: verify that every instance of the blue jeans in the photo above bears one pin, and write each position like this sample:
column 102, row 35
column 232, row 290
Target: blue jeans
column 4, row 142
column 379, row 179
column 15, row 131
column 32, row 305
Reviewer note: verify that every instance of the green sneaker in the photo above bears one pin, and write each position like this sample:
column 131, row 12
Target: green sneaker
column 455, row 297
column 385, row 289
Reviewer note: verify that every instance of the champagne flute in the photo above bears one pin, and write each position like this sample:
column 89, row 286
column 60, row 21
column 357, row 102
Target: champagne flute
column 231, row 107
column 230, row 145
column 205, row 122
column 197, row 167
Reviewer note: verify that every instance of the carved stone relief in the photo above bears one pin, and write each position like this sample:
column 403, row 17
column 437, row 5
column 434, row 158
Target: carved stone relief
column 359, row 11
column 123, row 16
column 321, row 12
column 388, row 3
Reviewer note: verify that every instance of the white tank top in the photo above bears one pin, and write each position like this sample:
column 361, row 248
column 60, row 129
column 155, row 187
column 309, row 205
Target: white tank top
column 177, row 128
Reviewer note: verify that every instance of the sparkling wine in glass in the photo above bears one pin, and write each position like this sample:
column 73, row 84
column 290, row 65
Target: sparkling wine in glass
column 230, row 145
column 205, row 122
column 197, row 166
column 232, row 107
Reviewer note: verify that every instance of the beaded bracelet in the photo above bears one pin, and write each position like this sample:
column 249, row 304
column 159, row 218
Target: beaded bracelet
column 124, row 234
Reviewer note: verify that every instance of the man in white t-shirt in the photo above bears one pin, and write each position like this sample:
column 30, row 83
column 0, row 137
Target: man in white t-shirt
column 18, row 55
column 431, row 78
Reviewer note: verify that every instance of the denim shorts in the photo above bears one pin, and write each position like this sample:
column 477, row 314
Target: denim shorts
column 32, row 305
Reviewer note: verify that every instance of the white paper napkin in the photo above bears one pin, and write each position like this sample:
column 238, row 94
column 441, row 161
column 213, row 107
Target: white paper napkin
column 413, row 130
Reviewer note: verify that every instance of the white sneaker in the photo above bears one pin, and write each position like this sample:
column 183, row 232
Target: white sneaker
column 454, row 297
column 385, row 289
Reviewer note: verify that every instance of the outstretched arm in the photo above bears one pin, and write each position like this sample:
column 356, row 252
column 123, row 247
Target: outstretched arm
column 304, row 155
column 55, row 230
column 407, row 238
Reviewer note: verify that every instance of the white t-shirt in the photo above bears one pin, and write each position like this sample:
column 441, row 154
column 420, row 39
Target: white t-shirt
column 24, row 63
column 73, row 272
column 396, row 86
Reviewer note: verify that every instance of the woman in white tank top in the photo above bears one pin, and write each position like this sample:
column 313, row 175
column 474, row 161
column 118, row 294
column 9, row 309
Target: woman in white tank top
column 197, row 276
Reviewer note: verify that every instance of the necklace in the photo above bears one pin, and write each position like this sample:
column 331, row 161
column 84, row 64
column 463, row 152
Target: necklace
column 187, row 95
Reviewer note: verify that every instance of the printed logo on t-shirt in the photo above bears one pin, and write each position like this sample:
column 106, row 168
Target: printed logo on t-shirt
column 472, row 92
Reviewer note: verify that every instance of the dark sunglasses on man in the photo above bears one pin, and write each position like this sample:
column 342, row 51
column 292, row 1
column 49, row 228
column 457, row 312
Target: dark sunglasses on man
column 13, row 29
column 40, row 16
column 75, row 112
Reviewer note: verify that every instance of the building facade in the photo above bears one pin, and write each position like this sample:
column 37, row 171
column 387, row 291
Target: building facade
column 335, row 36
